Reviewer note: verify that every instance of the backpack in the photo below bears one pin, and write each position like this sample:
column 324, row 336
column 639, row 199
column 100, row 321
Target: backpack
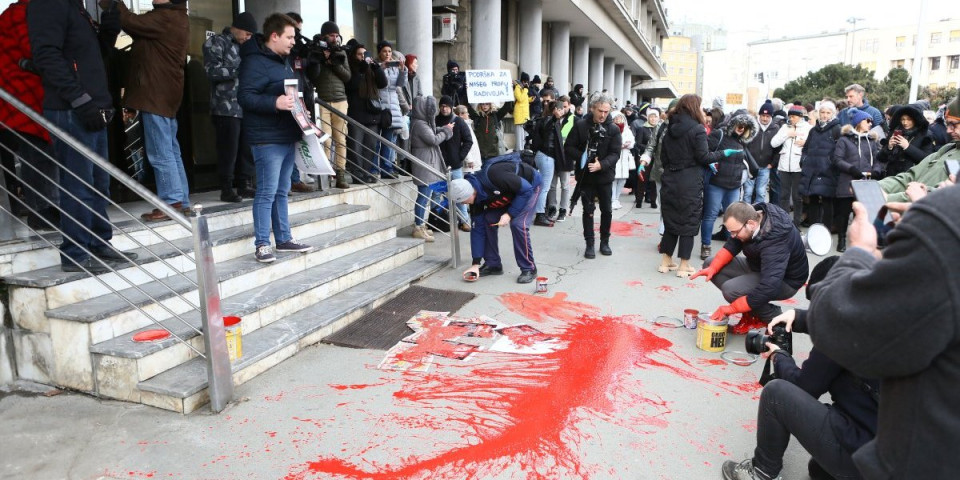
column 516, row 158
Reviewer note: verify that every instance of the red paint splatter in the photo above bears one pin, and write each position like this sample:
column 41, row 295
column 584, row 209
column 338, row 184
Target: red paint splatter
column 750, row 426
column 691, row 285
column 524, row 412
column 712, row 361
column 666, row 288
column 355, row 387
column 524, row 335
column 540, row 308
column 635, row 283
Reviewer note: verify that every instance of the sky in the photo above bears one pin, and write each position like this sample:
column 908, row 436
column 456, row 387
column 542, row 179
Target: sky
column 798, row 18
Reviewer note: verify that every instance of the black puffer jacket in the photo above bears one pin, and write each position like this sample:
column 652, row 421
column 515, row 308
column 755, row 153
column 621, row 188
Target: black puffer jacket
column 730, row 169
column 608, row 151
column 818, row 176
column 456, row 148
column 899, row 159
column 764, row 154
column 777, row 252
column 684, row 153
column 359, row 106
column 854, row 154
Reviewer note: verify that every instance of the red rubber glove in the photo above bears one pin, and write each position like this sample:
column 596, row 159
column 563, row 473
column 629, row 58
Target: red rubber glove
column 738, row 306
column 720, row 260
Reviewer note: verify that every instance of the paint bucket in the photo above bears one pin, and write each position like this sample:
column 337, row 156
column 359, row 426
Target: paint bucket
column 234, row 331
column 541, row 284
column 690, row 318
column 711, row 335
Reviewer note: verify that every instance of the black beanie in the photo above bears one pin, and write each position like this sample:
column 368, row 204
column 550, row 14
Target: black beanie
column 383, row 43
column 245, row 22
column 536, row 80
column 446, row 100
column 451, row 64
column 328, row 28
column 524, row 77
column 766, row 108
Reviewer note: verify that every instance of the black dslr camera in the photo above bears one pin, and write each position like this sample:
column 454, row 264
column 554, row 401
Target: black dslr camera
column 313, row 49
column 756, row 341
column 597, row 134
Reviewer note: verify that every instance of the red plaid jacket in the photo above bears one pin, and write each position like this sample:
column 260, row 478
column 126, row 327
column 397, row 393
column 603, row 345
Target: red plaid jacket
column 26, row 86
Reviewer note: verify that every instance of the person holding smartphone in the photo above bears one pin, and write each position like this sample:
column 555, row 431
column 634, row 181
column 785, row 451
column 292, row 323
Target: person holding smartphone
column 396, row 74
column 909, row 141
column 855, row 158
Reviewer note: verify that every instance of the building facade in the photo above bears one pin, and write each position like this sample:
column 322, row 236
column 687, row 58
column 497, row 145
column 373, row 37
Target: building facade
column 682, row 61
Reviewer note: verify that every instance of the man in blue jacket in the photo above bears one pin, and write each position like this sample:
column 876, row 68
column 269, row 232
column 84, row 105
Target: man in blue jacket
column 503, row 193
column 271, row 129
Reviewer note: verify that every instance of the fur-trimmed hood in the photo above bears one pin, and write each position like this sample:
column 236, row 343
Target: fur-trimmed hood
column 849, row 130
column 743, row 118
column 914, row 112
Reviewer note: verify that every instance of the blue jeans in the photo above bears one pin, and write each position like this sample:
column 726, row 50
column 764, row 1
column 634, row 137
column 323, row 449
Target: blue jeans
column 386, row 156
column 420, row 211
column 163, row 150
column 545, row 166
column 757, row 187
column 462, row 207
column 274, row 162
column 88, row 202
column 715, row 201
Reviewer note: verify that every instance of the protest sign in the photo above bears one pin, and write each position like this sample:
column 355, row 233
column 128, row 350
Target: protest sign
column 485, row 86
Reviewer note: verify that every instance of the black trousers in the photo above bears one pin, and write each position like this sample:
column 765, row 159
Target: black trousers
column 590, row 195
column 842, row 208
column 234, row 158
column 820, row 210
column 35, row 155
column 786, row 409
column 669, row 242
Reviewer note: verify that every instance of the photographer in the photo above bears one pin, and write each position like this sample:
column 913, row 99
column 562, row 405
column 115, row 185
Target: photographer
column 329, row 73
column 789, row 405
column 454, row 83
column 594, row 143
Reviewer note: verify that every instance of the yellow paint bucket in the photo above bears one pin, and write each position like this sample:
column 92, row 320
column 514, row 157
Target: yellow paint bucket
column 234, row 331
column 711, row 335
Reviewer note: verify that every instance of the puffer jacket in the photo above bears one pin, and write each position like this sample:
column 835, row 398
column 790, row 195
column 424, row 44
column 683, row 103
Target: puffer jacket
column 389, row 96
column 157, row 58
column 790, row 152
column 899, row 159
column 489, row 129
column 854, row 154
column 330, row 78
column 818, row 176
column 521, row 104
column 425, row 140
column 763, row 152
column 221, row 61
column 730, row 169
column 262, row 74
column 608, row 151
column 22, row 84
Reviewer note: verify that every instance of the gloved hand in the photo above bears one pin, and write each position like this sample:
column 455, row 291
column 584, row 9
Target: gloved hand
column 855, row 172
column 720, row 260
column 92, row 117
column 729, row 152
column 110, row 21
column 738, row 306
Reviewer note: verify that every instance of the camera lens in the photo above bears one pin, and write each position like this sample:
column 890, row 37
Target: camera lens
column 756, row 341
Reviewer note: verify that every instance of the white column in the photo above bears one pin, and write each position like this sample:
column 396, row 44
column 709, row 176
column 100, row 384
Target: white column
column 608, row 81
column 414, row 35
column 581, row 63
column 627, row 91
column 596, row 72
column 618, row 84
column 531, row 36
column 560, row 56
column 486, row 19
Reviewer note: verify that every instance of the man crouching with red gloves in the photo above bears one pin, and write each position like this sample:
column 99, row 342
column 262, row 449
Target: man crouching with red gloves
column 773, row 265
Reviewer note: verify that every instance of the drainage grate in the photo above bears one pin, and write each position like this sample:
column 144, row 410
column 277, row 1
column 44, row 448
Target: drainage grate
column 384, row 326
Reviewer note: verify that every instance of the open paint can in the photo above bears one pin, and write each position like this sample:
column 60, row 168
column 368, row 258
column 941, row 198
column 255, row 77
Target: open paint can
column 690, row 318
column 234, row 331
column 711, row 334
column 541, row 285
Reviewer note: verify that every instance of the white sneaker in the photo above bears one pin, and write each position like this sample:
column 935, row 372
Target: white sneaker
column 419, row 231
column 617, row 205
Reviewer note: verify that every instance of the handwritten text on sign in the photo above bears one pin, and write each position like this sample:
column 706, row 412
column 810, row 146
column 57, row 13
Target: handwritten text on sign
column 485, row 86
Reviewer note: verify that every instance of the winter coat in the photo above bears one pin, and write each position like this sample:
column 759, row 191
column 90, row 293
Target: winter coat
column 626, row 162
column 818, row 176
column 730, row 169
column 389, row 98
column 576, row 95
column 854, row 154
column 262, row 74
column 221, row 62
column 898, row 159
column 67, row 53
column 157, row 58
column 790, row 153
column 760, row 148
column 608, row 151
column 930, row 172
column 684, row 153
column 897, row 319
column 489, row 129
column 455, row 86
column 521, row 104
column 425, row 140
column 776, row 252
column 536, row 105
column 456, row 148
column 359, row 108
column 26, row 86
column 330, row 77
column 876, row 115
column 654, row 144
column 547, row 138
column 412, row 89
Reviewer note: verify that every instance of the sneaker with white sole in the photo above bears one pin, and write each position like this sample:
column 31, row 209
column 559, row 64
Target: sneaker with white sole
column 291, row 246
column 264, row 254
column 744, row 471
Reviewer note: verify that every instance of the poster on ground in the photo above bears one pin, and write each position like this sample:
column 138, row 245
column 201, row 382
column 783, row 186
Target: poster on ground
column 488, row 86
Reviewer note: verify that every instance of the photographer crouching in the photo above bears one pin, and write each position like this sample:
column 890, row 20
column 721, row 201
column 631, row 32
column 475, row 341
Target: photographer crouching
column 789, row 404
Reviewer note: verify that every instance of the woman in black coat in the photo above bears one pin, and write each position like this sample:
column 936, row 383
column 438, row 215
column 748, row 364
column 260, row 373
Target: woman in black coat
column 909, row 141
column 854, row 158
column 684, row 154
column 818, row 178
column 363, row 94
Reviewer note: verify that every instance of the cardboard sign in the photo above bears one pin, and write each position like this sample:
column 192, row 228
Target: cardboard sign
column 311, row 159
column 487, row 86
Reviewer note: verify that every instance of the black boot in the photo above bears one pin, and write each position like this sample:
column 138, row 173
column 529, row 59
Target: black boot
column 605, row 247
column 230, row 195
column 588, row 252
column 245, row 189
column 541, row 220
column 842, row 243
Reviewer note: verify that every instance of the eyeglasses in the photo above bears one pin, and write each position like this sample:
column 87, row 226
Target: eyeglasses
column 953, row 124
column 734, row 234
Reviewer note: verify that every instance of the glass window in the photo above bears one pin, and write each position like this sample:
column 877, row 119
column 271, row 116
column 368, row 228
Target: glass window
column 934, row 63
column 901, row 41
column 935, row 37
column 896, row 64
column 954, row 36
column 954, row 61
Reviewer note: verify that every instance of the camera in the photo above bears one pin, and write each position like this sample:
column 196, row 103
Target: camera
column 313, row 49
column 597, row 134
column 756, row 341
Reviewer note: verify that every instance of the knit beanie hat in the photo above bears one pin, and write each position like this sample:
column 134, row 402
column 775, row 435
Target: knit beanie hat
column 451, row 64
column 766, row 108
column 953, row 109
column 245, row 22
column 446, row 100
column 328, row 28
column 673, row 103
column 857, row 116
column 524, row 77
column 798, row 110
column 383, row 44
column 460, row 190
column 536, row 80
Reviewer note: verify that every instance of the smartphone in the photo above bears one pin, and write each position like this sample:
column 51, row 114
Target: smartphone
column 393, row 64
column 897, row 133
column 869, row 193
column 953, row 166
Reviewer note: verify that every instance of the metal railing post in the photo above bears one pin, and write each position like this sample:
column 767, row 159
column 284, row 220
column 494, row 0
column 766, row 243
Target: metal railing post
column 454, row 220
column 219, row 372
column 7, row 231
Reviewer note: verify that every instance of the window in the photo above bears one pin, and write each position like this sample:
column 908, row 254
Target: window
column 896, row 64
column 934, row 63
column 953, row 61
column 954, row 36
column 933, row 86
column 952, row 85
column 901, row 41
column 869, row 45
column 935, row 37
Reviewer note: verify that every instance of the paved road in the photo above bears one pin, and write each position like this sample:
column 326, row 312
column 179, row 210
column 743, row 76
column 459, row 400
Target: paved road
column 618, row 398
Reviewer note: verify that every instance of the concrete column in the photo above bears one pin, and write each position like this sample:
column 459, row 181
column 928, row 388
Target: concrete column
column 609, row 82
column 596, row 72
column 627, row 91
column 531, row 36
column 486, row 19
column 414, row 35
column 581, row 63
column 560, row 56
column 618, row 84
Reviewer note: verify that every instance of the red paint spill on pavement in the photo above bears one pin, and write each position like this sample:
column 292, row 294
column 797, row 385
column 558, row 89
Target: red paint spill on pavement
column 540, row 308
column 635, row 283
column 712, row 361
column 666, row 288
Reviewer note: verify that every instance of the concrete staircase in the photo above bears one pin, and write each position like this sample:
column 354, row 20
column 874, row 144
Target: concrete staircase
column 72, row 331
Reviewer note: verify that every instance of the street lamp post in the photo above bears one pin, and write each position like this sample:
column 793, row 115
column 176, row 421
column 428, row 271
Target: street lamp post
column 853, row 37
column 917, row 59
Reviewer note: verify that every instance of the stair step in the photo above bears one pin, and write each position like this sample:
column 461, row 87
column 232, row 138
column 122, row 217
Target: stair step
column 255, row 299
column 53, row 276
column 105, row 306
column 190, row 378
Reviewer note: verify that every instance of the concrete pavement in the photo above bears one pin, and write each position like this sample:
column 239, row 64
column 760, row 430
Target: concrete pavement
column 620, row 398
